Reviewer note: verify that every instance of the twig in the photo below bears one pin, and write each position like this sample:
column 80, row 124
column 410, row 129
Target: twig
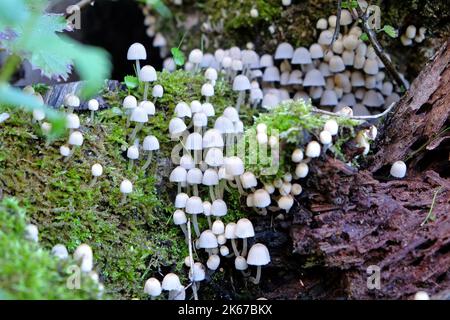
column 379, row 49
column 338, row 24
column 376, row 116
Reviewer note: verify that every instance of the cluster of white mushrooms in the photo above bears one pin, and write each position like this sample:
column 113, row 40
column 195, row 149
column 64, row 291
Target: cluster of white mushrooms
column 349, row 74
column 412, row 35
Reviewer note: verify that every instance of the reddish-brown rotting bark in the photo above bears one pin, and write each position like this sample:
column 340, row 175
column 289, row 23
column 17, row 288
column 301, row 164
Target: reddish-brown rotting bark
column 349, row 219
column 420, row 115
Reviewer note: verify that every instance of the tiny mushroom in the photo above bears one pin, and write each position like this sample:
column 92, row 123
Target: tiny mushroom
column 258, row 256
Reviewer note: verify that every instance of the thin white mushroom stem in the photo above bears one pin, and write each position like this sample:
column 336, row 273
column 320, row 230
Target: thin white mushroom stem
column 211, row 193
column 93, row 181
column 209, row 221
column 240, row 100
column 149, row 160
column 92, row 116
column 183, row 228
column 239, row 186
column 376, row 116
column 195, row 187
column 179, row 187
column 128, row 115
column 234, row 246
column 146, row 85
column 191, row 257
column 195, row 223
column 136, row 130
column 244, row 247
column 219, row 189
column 258, row 275
column 70, row 110
column 131, row 164
column 138, row 68
column 124, row 198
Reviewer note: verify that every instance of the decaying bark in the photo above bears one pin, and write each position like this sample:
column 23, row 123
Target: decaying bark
column 349, row 220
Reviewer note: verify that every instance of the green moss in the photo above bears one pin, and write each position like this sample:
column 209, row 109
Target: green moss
column 26, row 270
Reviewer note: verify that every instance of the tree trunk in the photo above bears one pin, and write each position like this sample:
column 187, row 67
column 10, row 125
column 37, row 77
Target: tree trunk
column 349, row 220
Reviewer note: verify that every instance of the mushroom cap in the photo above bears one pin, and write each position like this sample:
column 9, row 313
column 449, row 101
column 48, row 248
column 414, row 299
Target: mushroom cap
column 179, row 174
column 139, row 115
column 284, row 51
column 218, row 227
column 212, row 138
column 76, row 138
column 239, row 127
column 213, row 262
column 265, row 61
column 176, row 126
column 73, row 122
column 195, row 56
column 171, row 282
column 83, row 251
column 297, row 155
column 398, row 169
column 231, row 113
column 421, row 295
column 221, row 240
column 224, row 125
column 64, row 151
column 261, row 198
column 200, row 120
column 180, row 200
column 301, row 56
column 286, row 203
column 331, row 126
column 314, row 78
column 316, row 51
column 194, row 176
column 325, row 38
column 179, row 217
column 322, row 24
column 346, row 18
column 214, row 157
column 148, row 74
column 60, row 251
column 219, row 208
column 230, row 229
column 159, row 40
column 207, row 90
column 250, row 58
column 248, row 180
column 93, row 105
column 196, row 106
column 71, row 100
column 148, row 106
column 158, row 91
column 240, row 263
column 373, row 98
column 39, row 115
column 197, row 273
column 295, row 77
column 211, row 74
column 271, row 74
column 194, row 141
column 136, row 52
column 207, row 208
column 182, row 109
column 296, row 189
column 208, row 109
column 325, row 137
column 97, row 170
column 150, row 143
column 313, row 149
column 130, row 102
column 31, row 233
column 241, row 83
column 258, row 255
column 371, row 66
column 194, row 205
column 207, row 240
column 270, row 101
column 234, row 166
column 152, row 287
column 336, row 64
column 244, row 229
column 126, row 186
column 302, row 170
column 329, row 98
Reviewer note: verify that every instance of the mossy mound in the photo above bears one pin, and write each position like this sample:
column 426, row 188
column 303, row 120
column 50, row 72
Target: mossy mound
column 130, row 241
column 36, row 274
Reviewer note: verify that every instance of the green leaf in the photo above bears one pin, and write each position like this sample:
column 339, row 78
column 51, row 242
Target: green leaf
column 178, row 56
column 364, row 37
column 390, row 31
column 15, row 97
column 131, row 82
column 350, row 4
